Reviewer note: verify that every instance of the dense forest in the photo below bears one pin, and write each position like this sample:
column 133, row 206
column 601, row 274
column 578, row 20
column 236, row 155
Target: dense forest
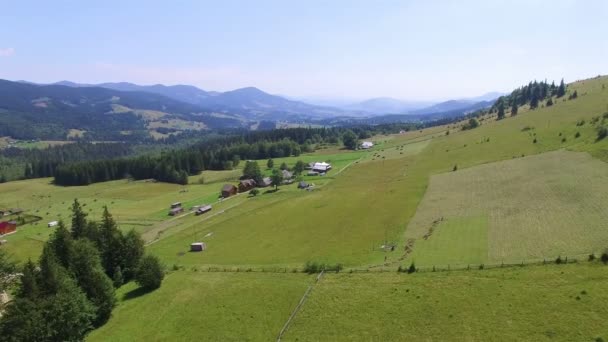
column 223, row 153
column 71, row 289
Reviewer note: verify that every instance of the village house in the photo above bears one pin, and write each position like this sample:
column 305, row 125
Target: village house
column 246, row 185
column 8, row 227
column 266, row 181
column 228, row 190
column 367, row 144
column 287, row 176
column 321, row 167
column 52, row 224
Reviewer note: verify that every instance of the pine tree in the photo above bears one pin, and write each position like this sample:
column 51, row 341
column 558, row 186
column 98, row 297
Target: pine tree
column 90, row 276
column 561, row 90
column 270, row 163
column 28, row 288
column 501, row 110
column 514, row 108
column 61, row 244
column 79, row 220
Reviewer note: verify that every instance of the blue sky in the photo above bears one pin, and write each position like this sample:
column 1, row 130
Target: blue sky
column 416, row 50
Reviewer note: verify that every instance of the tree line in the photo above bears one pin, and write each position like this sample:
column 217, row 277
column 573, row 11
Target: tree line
column 222, row 153
column 532, row 93
column 70, row 290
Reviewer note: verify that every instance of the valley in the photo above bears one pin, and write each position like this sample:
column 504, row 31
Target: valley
column 483, row 214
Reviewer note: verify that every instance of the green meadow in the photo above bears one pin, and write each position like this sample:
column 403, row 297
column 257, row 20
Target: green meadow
column 526, row 188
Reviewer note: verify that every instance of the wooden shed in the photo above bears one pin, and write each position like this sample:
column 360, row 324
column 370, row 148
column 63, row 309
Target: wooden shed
column 197, row 247
column 175, row 211
column 228, row 190
column 203, row 209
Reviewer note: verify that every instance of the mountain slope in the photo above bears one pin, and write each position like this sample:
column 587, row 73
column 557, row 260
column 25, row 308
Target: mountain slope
column 387, row 105
column 184, row 93
column 452, row 106
column 51, row 111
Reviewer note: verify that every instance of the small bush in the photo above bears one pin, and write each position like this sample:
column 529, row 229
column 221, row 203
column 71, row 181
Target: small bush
column 254, row 192
column 604, row 257
column 577, row 135
column 591, row 257
column 559, row 260
column 412, row 268
column 150, row 273
column 602, row 132
column 563, row 140
column 534, row 141
column 455, row 168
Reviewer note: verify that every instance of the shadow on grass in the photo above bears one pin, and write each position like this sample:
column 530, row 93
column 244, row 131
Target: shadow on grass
column 271, row 191
column 135, row 293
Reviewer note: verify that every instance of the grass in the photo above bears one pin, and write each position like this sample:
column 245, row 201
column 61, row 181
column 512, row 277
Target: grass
column 531, row 204
column 534, row 303
column 194, row 306
column 526, row 208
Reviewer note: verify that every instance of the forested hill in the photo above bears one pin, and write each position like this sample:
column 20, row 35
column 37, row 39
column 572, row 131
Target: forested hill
column 29, row 111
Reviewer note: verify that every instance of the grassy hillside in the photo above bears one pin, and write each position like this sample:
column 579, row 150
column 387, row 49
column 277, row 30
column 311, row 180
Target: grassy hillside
column 539, row 303
column 193, row 306
column 508, row 200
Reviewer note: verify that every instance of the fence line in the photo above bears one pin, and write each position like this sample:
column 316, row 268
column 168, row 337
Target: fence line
column 297, row 308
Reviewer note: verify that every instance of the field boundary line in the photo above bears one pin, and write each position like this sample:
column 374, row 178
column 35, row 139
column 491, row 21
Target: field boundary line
column 297, row 308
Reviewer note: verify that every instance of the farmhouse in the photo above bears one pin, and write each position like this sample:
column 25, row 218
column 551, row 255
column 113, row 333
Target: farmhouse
column 176, row 211
column 52, row 224
column 246, row 185
column 287, row 177
column 203, row 209
column 228, row 190
column 321, row 167
column 367, row 144
column 266, row 181
column 8, row 227
column 197, row 247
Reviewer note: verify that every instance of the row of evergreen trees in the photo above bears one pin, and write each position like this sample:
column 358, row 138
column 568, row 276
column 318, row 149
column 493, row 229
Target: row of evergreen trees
column 220, row 154
column 530, row 94
column 71, row 289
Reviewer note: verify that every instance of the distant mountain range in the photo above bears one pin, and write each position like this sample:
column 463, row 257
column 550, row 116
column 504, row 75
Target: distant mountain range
column 126, row 111
column 249, row 102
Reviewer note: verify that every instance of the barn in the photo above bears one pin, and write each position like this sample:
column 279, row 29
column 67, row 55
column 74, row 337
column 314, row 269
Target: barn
column 8, row 227
column 228, row 190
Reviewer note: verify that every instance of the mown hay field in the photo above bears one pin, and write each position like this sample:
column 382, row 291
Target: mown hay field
column 529, row 208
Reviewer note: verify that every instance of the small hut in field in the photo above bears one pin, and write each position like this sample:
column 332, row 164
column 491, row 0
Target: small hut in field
column 228, row 190
column 197, row 247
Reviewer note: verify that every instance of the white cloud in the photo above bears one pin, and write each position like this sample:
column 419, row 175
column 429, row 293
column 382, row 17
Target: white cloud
column 7, row 52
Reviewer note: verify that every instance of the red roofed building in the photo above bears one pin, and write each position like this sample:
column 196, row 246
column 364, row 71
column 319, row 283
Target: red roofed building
column 7, row 227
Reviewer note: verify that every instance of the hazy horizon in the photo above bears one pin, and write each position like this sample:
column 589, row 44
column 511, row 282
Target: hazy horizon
column 411, row 51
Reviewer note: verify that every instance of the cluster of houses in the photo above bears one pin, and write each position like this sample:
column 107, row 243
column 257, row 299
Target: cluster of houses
column 248, row 184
